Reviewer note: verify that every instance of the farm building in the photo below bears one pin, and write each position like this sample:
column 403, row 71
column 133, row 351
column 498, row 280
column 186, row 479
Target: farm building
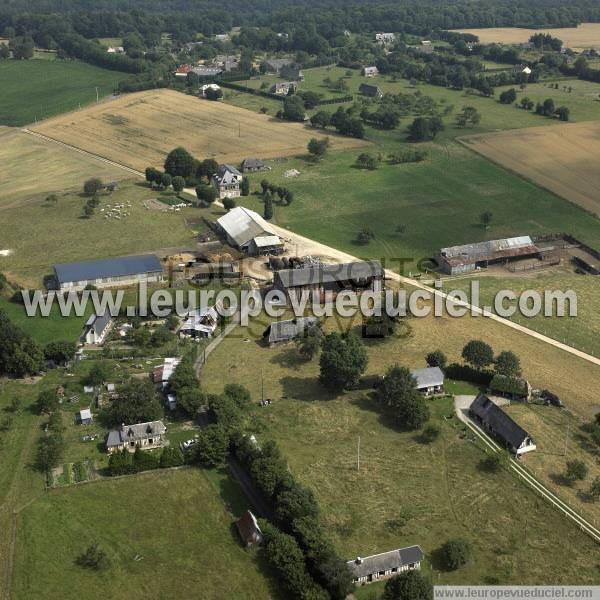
column 183, row 70
column 284, row 331
column 385, row 38
column 108, row 272
column 242, row 227
column 200, row 323
column 252, row 165
column 360, row 275
column 96, row 328
column 386, row 564
column 83, row 417
column 371, row 91
column 430, row 380
column 500, row 425
column 463, row 259
column 206, row 89
column 370, row 71
column 249, row 530
column 163, row 373
column 524, row 69
column 283, row 88
column 140, row 435
column 227, row 181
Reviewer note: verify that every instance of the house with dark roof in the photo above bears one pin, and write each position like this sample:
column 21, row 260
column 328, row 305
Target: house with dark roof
column 108, row 272
column 249, row 530
column 334, row 278
column 227, row 181
column 430, row 381
column 284, row 331
column 292, row 72
column 380, row 566
column 371, row 91
column 146, row 436
column 500, row 426
column 96, row 328
column 252, row 165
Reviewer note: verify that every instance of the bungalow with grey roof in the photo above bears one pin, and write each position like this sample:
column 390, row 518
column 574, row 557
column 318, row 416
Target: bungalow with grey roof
column 430, row 380
column 252, row 165
column 96, row 328
column 284, row 331
column 146, row 436
column 380, row 566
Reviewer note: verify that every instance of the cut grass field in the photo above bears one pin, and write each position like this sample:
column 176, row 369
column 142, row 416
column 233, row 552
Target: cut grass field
column 41, row 88
column 582, row 331
column 586, row 35
column 140, row 129
column 562, row 158
column 172, row 521
column 38, row 168
column 41, row 235
column 438, row 489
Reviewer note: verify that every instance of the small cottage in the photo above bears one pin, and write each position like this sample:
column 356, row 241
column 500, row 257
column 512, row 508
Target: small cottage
column 146, row 436
column 386, row 564
column 430, row 381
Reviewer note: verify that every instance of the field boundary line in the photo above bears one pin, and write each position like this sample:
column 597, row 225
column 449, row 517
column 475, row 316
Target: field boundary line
column 464, row 142
column 99, row 157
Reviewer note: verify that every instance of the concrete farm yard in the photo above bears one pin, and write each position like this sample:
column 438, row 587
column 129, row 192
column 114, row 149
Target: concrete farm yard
column 139, row 130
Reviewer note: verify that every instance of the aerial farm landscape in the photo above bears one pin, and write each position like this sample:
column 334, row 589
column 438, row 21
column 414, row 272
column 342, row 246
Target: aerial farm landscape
column 281, row 161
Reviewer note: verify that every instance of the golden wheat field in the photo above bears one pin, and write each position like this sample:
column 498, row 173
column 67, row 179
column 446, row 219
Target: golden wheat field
column 140, row 129
column 587, row 35
column 34, row 168
column 564, row 159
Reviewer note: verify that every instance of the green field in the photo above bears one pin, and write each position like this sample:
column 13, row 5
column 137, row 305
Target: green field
column 438, row 201
column 405, row 492
column 38, row 89
column 166, row 533
column 582, row 331
column 43, row 234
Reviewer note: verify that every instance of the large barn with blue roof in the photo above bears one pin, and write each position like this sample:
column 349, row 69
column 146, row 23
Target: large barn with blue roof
column 108, row 272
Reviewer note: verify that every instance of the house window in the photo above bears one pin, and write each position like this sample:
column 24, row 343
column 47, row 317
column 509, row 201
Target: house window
column 132, row 444
column 150, row 440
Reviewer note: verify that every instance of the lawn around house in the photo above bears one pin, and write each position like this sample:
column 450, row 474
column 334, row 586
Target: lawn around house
column 166, row 534
column 405, row 492
column 39, row 88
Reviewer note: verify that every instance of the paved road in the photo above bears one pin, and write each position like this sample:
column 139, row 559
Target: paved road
column 306, row 246
column 461, row 406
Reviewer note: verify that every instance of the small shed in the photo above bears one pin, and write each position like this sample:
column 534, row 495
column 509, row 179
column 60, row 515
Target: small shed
column 284, row 331
column 249, row 529
column 84, row 416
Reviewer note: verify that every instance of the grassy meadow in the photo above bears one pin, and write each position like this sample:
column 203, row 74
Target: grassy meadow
column 405, row 492
column 39, row 88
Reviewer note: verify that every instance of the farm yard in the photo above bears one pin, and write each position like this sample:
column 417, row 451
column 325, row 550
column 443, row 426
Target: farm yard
column 392, row 501
column 586, row 35
column 140, row 129
column 41, row 88
column 562, row 158
column 57, row 169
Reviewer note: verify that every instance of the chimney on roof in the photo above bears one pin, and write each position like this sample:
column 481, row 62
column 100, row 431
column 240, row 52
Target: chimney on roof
column 359, row 560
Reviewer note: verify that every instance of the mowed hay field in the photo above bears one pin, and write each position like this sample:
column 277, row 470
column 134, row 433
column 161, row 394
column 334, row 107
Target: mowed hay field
column 564, row 159
column 140, row 129
column 34, row 168
column 586, row 35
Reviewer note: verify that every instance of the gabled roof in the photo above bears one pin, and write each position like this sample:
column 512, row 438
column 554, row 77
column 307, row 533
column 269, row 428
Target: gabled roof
column 252, row 163
column 85, row 413
column 315, row 274
column 99, row 323
column 490, row 250
column 498, row 421
column 281, row 331
column 386, row 561
column 226, row 174
column 369, row 90
column 428, row 377
column 243, row 225
column 135, row 432
column 107, row 267
column 248, row 527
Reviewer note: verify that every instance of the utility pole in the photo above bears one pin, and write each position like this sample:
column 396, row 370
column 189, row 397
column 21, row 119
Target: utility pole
column 567, row 438
column 97, row 98
column 262, row 386
column 358, row 455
